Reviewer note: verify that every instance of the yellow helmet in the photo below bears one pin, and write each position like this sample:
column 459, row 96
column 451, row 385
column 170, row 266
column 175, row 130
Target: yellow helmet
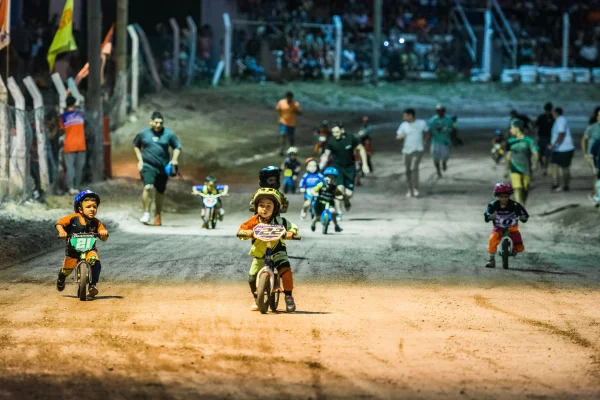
column 268, row 193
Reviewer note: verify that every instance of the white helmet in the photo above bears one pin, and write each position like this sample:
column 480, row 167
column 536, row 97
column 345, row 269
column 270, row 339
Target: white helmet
column 292, row 150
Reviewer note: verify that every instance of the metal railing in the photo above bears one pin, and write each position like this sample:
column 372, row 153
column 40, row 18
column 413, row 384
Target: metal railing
column 504, row 31
column 463, row 25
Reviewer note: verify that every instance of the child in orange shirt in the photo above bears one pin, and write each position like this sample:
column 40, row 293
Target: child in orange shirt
column 267, row 203
column 83, row 220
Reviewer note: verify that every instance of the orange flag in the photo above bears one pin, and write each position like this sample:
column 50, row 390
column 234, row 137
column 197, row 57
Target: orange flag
column 105, row 52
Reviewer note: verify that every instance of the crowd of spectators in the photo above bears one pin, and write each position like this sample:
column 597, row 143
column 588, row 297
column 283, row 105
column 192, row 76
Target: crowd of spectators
column 414, row 35
column 538, row 26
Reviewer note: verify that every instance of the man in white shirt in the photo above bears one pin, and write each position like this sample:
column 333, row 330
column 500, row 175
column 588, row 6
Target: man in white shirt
column 562, row 149
column 411, row 132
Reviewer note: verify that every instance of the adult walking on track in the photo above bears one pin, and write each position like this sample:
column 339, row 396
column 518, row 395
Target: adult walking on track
column 74, row 149
column 562, row 152
column 151, row 147
column 440, row 128
column 287, row 109
column 590, row 137
column 411, row 133
column 543, row 124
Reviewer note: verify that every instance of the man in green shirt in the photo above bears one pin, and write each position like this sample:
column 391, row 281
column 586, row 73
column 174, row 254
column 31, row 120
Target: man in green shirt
column 591, row 136
column 151, row 147
column 519, row 152
column 341, row 147
column 440, row 128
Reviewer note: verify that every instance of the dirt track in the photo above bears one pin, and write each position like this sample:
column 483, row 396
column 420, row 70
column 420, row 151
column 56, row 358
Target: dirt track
column 397, row 306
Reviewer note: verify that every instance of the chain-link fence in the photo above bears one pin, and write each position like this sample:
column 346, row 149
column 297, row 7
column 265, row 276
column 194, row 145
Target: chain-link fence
column 21, row 177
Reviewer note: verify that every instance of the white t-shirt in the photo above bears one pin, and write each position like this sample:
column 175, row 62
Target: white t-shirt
column 561, row 125
column 413, row 135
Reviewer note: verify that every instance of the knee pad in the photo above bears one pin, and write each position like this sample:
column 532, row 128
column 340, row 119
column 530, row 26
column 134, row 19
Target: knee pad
column 348, row 193
column 149, row 188
column 66, row 271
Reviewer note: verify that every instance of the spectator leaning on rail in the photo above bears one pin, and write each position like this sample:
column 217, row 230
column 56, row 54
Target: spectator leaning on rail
column 72, row 124
column 151, row 146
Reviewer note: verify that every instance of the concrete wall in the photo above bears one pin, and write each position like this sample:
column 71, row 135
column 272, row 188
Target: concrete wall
column 212, row 14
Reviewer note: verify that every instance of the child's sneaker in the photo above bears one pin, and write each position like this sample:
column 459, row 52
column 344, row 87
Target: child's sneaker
column 93, row 291
column 254, row 306
column 313, row 225
column 145, row 218
column 491, row 263
column 338, row 228
column 303, row 215
column 60, row 282
column 290, row 306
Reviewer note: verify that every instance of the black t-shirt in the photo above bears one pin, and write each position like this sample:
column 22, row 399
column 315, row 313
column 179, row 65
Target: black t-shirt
column 506, row 217
column 544, row 124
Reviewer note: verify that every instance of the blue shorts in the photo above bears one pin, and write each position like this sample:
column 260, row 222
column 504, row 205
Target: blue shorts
column 287, row 130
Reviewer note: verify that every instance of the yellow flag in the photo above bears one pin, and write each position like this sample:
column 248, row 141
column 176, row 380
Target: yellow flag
column 63, row 40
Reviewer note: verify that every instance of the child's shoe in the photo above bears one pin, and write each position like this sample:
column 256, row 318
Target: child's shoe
column 290, row 306
column 338, row 228
column 60, row 282
column 93, row 291
column 303, row 215
column 254, row 306
column 313, row 225
column 491, row 263
column 221, row 213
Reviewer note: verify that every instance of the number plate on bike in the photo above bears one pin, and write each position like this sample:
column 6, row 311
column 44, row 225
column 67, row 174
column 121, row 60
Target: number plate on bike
column 268, row 232
column 288, row 172
column 83, row 244
column 209, row 202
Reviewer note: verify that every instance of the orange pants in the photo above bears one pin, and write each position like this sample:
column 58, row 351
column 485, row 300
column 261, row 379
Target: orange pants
column 70, row 263
column 496, row 238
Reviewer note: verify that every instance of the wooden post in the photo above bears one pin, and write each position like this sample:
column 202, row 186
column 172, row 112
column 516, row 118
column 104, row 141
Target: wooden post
column 377, row 39
column 18, row 167
column 95, row 114
column 121, row 82
column 38, row 104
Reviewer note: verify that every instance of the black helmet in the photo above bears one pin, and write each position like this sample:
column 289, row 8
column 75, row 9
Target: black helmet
column 266, row 173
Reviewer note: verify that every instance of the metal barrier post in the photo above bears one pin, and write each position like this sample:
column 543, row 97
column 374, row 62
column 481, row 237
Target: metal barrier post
column 62, row 91
column 565, row 49
column 18, row 171
column 337, row 21
column 227, row 46
column 76, row 93
column 192, row 59
column 176, row 50
column 135, row 67
column 38, row 104
column 3, row 140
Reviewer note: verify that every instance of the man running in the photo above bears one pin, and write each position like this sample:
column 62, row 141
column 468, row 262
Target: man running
column 562, row 151
column 151, row 147
column 287, row 109
column 341, row 147
column 410, row 132
column 520, row 150
column 440, row 128
column 543, row 124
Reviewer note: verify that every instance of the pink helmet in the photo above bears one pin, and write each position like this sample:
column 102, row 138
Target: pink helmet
column 503, row 188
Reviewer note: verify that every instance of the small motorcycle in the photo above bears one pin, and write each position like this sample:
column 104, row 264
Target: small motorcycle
column 83, row 243
column 289, row 181
column 268, row 286
column 211, row 212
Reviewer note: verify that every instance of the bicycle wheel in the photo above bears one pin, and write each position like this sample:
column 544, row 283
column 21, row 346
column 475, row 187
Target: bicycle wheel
column 505, row 253
column 274, row 298
column 325, row 223
column 263, row 292
column 83, row 271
